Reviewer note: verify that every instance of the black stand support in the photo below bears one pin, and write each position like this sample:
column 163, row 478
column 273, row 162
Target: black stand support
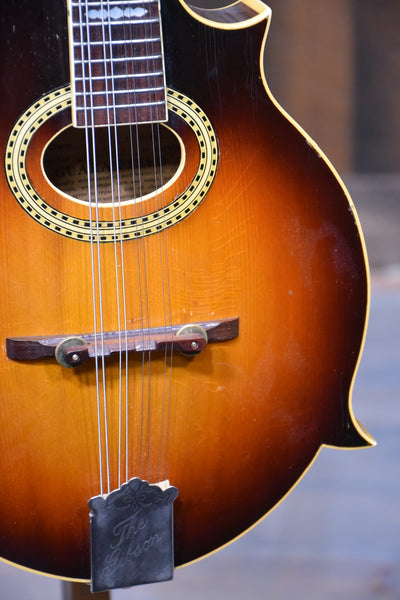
column 81, row 591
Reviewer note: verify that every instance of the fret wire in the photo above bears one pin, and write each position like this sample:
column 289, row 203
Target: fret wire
column 79, row 4
column 117, row 106
column 125, row 91
column 108, row 43
column 123, row 76
column 100, row 24
column 120, row 60
column 112, row 23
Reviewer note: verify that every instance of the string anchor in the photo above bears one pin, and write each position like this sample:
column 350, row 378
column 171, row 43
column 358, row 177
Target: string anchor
column 131, row 535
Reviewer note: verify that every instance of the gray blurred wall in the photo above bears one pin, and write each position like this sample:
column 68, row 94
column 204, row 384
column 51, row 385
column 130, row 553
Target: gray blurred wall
column 335, row 66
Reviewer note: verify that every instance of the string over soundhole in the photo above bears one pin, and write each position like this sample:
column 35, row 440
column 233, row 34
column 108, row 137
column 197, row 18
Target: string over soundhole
column 161, row 162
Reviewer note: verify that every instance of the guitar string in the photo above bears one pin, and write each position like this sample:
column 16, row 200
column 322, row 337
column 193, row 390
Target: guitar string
column 150, row 368
column 142, row 270
column 146, row 248
column 144, row 310
column 165, row 277
column 164, row 271
column 99, row 274
column 90, row 138
column 100, row 285
column 140, row 243
column 126, row 408
column 130, row 426
column 149, row 401
column 168, row 286
column 107, row 110
column 125, row 321
column 151, row 51
column 113, row 147
column 167, row 409
column 88, row 167
column 92, row 157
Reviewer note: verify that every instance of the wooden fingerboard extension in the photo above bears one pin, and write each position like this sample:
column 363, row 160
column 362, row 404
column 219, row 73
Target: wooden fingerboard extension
column 117, row 63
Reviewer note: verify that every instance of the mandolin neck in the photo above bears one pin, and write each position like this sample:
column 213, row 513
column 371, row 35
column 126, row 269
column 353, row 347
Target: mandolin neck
column 117, row 62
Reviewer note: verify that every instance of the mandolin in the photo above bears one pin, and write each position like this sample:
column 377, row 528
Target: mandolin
column 184, row 279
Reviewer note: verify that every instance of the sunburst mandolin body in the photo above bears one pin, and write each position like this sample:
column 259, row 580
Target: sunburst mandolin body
column 271, row 240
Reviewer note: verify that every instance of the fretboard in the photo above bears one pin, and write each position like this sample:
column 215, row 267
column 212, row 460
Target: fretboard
column 117, row 63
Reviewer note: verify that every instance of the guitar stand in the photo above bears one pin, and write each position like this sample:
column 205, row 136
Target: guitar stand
column 81, row 591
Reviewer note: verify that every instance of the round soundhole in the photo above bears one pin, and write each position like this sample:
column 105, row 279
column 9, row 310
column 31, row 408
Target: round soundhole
column 113, row 176
column 117, row 166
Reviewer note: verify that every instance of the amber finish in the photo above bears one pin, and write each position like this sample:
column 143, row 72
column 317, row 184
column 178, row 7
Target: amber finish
column 275, row 243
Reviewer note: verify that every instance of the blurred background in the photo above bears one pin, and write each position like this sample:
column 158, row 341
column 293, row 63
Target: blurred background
column 335, row 67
